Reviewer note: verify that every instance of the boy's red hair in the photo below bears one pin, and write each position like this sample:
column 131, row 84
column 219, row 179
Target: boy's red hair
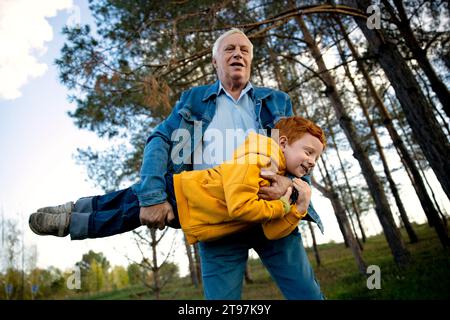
column 295, row 127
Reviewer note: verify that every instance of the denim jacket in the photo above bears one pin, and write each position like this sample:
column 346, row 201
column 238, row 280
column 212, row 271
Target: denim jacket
column 192, row 113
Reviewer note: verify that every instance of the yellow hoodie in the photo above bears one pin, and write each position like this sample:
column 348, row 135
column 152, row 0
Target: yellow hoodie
column 223, row 200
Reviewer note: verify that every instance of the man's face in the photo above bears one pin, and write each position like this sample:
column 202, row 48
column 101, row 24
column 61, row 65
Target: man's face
column 302, row 154
column 233, row 60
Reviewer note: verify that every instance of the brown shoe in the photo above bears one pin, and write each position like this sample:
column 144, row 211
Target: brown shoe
column 52, row 220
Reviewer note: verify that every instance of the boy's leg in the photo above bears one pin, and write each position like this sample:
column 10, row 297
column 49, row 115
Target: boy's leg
column 288, row 264
column 90, row 217
column 106, row 215
column 223, row 266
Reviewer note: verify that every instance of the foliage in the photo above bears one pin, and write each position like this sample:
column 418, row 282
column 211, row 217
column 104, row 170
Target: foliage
column 119, row 277
column 134, row 273
column 94, row 266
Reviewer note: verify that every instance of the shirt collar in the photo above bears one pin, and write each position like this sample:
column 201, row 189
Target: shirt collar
column 248, row 89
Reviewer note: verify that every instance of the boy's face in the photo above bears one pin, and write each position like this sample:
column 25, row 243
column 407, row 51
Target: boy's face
column 302, row 154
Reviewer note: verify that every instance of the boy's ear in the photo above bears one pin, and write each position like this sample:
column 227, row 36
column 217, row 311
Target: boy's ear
column 283, row 142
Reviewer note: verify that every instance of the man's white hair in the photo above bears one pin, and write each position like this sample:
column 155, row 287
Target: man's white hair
column 226, row 34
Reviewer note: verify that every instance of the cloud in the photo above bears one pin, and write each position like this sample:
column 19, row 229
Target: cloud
column 24, row 30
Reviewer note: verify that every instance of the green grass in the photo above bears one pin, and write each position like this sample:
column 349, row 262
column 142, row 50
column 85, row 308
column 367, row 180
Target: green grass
column 428, row 276
column 179, row 290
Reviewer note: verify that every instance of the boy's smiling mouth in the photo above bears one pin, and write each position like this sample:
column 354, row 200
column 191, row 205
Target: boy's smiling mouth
column 307, row 169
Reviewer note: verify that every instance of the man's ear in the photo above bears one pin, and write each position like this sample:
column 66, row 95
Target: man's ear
column 214, row 62
column 283, row 142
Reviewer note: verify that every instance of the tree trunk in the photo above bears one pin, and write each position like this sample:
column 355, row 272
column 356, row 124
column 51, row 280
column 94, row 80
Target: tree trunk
column 426, row 87
column 410, row 231
column 261, row 77
column 350, row 218
column 276, row 68
column 316, row 251
column 392, row 234
column 402, row 23
column 197, row 263
column 347, row 184
column 341, row 194
column 341, row 227
column 342, row 221
column 418, row 112
column 417, row 182
column 192, row 269
column 431, row 213
column 433, row 195
column 155, row 268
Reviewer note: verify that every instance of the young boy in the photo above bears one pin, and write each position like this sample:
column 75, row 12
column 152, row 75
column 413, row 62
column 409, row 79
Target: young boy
column 223, row 200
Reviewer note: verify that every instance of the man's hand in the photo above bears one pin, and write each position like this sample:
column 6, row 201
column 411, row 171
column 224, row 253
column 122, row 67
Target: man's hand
column 157, row 216
column 278, row 186
column 304, row 194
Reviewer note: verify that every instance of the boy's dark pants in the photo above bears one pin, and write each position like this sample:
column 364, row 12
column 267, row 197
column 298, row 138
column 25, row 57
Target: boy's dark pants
column 112, row 213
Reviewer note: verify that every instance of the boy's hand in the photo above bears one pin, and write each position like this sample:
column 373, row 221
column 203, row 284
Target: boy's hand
column 286, row 197
column 278, row 186
column 304, row 194
column 157, row 216
column 286, row 200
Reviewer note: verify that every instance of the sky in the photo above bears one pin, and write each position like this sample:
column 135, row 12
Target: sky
column 38, row 140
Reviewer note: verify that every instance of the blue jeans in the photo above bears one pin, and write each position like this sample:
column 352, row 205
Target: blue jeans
column 223, row 265
column 106, row 215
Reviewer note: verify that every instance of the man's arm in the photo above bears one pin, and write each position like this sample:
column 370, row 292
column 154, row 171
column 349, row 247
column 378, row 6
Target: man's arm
column 155, row 211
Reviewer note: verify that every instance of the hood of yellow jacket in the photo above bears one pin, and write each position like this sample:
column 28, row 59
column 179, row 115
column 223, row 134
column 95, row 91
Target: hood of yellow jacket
column 259, row 145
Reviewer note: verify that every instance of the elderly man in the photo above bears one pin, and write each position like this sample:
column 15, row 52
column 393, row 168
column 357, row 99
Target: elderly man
column 233, row 105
